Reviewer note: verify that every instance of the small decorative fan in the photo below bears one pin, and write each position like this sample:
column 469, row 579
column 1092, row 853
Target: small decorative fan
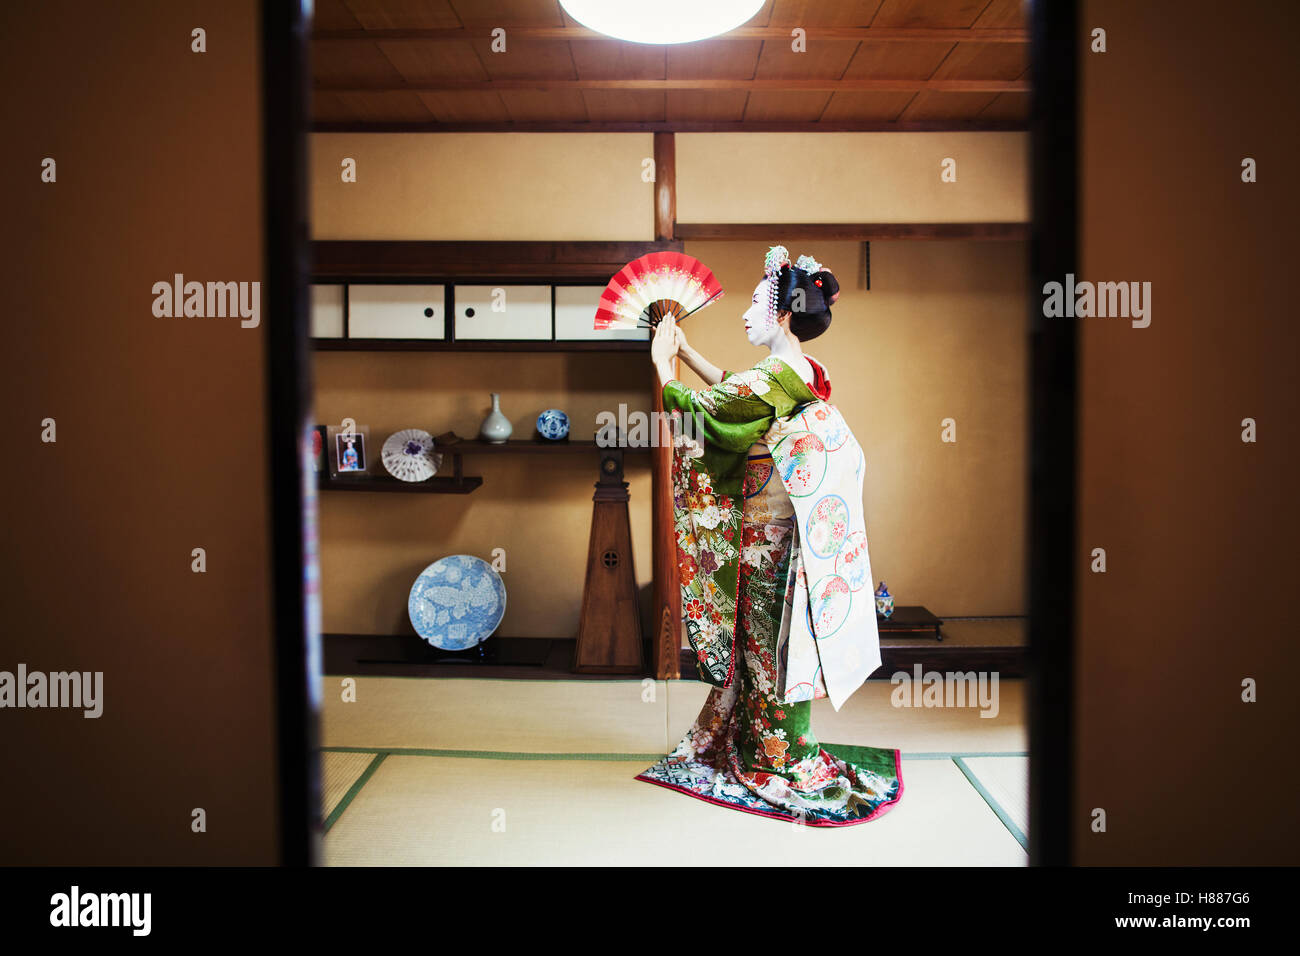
column 655, row 285
column 408, row 455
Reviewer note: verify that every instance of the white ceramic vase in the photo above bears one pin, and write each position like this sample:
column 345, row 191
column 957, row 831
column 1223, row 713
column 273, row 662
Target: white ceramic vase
column 496, row 427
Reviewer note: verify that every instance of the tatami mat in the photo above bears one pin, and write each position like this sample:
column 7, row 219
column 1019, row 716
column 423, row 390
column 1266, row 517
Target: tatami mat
column 339, row 771
column 616, row 716
column 422, row 810
column 631, row 716
column 555, row 760
column 1004, row 780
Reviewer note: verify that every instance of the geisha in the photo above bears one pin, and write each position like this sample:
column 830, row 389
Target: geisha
column 772, row 558
column 350, row 461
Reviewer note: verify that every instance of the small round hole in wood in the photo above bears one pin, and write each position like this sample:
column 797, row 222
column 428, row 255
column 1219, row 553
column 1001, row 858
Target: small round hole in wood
column 609, row 559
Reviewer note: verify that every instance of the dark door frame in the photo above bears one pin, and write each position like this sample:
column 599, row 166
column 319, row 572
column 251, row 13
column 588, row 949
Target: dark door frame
column 1053, row 348
column 1053, row 251
column 288, row 391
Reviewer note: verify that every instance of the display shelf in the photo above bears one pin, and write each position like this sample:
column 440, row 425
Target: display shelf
column 476, row 345
column 460, row 485
column 476, row 446
column 560, row 265
column 381, row 654
column 405, row 655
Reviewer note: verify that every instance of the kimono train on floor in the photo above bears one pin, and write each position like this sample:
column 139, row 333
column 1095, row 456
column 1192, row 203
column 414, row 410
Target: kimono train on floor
column 777, row 597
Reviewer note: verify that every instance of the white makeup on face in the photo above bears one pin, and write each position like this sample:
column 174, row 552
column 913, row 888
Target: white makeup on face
column 759, row 326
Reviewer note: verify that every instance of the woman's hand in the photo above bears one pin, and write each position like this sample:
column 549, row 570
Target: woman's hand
column 683, row 347
column 665, row 342
column 662, row 349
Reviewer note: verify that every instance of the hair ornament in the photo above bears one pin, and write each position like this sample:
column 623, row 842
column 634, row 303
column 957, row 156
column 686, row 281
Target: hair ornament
column 777, row 257
column 808, row 264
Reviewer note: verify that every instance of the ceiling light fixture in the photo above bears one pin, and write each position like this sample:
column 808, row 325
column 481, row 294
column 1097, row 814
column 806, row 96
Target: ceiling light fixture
column 661, row 21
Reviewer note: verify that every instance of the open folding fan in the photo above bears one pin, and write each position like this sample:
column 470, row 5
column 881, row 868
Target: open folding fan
column 655, row 285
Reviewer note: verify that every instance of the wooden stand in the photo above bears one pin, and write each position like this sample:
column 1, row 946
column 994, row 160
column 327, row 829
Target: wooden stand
column 609, row 632
column 910, row 621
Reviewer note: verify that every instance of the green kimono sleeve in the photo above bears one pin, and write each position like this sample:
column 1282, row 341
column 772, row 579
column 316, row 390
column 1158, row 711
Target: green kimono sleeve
column 726, row 422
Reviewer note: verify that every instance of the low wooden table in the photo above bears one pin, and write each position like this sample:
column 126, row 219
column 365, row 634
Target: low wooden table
column 910, row 621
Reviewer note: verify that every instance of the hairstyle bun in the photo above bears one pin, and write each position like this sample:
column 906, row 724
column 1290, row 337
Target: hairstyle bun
column 807, row 295
column 826, row 282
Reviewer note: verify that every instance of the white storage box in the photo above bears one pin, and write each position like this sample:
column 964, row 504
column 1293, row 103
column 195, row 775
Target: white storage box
column 502, row 312
column 575, row 308
column 396, row 311
column 327, row 311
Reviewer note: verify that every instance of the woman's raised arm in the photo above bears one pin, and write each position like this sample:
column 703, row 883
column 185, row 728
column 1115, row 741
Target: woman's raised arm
column 697, row 363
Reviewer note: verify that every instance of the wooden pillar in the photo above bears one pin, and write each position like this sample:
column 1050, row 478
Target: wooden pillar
column 665, row 186
column 666, row 619
column 666, row 637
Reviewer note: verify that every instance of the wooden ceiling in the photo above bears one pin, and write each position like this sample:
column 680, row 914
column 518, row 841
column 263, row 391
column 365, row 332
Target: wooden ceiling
column 870, row 65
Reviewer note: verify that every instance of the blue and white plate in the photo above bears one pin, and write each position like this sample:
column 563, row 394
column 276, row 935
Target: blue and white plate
column 457, row 602
column 553, row 424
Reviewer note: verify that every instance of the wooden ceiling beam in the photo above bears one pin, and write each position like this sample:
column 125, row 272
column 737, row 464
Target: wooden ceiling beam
column 737, row 126
column 860, row 231
column 827, row 85
column 887, row 34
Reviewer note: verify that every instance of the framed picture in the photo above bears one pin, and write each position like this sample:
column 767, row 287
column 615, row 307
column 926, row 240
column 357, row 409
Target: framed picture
column 348, row 451
column 319, row 449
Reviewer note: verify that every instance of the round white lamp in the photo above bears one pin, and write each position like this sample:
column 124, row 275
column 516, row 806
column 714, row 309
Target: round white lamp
column 661, row 21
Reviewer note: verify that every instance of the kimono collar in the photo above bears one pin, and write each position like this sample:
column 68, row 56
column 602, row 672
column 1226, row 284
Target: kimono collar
column 821, row 385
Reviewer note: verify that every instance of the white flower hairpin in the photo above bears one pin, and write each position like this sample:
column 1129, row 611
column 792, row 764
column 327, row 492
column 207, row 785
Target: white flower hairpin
column 777, row 256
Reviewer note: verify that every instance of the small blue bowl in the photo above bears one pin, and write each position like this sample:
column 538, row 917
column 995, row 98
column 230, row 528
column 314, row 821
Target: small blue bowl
column 553, row 424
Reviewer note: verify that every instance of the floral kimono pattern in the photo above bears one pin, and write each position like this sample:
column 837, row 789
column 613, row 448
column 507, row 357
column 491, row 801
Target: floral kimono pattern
column 829, row 642
column 745, row 546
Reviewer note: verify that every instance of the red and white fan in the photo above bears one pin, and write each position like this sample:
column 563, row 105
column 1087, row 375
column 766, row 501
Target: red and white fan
column 655, row 285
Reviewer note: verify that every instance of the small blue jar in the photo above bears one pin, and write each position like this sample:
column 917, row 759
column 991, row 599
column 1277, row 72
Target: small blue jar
column 553, row 425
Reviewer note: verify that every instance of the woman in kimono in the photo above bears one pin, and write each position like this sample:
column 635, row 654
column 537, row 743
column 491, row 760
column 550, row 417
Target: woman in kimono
column 772, row 558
